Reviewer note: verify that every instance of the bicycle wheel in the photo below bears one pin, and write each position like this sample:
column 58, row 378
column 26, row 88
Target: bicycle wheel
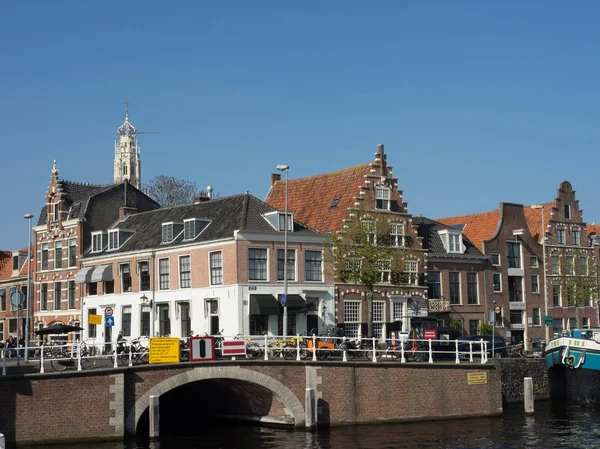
column 289, row 352
column 253, row 351
column 61, row 364
column 145, row 355
column 87, row 363
column 123, row 357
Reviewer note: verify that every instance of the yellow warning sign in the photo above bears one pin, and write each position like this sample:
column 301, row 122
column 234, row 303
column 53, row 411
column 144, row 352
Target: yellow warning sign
column 95, row 319
column 477, row 378
column 164, row 350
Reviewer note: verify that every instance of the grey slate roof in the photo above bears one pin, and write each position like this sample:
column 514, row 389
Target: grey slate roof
column 432, row 242
column 226, row 215
column 77, row 195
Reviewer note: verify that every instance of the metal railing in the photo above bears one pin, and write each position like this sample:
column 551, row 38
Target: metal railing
column 83, row 355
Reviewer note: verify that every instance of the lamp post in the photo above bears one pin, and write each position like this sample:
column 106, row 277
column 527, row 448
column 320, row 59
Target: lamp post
column 547, row 327
column 145, row 300
column 286, row 169
column 28, row 217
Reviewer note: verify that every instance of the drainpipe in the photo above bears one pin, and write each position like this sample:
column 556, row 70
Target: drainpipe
column 152, row 286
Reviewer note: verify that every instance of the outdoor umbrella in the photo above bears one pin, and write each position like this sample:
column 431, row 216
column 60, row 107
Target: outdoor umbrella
column 58, row 329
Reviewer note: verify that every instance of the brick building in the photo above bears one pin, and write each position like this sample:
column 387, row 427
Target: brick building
column 13, row 278
column 215, row 265
column 511, row 237
column 327, row 202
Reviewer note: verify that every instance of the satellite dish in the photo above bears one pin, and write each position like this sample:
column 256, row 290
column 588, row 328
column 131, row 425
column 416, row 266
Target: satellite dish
column 17, row 299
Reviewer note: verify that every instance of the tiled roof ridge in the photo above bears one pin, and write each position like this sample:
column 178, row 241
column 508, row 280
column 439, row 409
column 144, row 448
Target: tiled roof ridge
column 456, row 217
column 331, row 173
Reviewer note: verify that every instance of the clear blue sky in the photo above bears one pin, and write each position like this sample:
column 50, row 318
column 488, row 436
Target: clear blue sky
column 476, row 102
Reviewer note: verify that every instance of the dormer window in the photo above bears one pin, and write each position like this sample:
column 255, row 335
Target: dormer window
column 452, row 241
column 192, row 228
column 113, row 239
column 167, row 232
column 277, row 220
column 382, row 198
column 15, row 262
column 282, row 222
column 334, row 203
column 98, row 241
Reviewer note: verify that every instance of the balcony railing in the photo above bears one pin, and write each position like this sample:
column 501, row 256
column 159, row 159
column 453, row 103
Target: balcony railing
column 438, row 305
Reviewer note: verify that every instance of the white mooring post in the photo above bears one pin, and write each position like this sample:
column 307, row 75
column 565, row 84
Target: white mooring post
column 374, row 353
column 314, row 358
column 528, row 394
column 4, row 361
column 2, row 442
column 266, row 350
column 310, row 409
column 456, row 348
column 154, row 417
column 298, row 347
column 42, row 359
column 114, row 346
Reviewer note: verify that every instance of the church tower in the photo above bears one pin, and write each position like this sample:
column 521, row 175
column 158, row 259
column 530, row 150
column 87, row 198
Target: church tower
column 127, row 154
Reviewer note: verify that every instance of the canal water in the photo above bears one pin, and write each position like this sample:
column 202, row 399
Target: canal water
column 551, row 426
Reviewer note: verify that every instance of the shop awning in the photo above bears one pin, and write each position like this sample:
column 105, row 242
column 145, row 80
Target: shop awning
column 264, row 305
column 84, row 275
column 296, row 304
column 102, row 273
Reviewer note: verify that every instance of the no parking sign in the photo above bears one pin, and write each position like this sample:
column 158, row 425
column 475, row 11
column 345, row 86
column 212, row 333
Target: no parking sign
column 202, row 349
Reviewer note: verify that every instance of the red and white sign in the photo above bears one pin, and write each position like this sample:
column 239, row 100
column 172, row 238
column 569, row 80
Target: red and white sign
column 234, row 347
column 108, row 311
column 430, row 334
column 202, row 349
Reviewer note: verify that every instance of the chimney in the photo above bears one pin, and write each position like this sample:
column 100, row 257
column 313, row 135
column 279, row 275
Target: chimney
column 209, row 190
column 274, row 178
column 125, row 211
column 201, row 198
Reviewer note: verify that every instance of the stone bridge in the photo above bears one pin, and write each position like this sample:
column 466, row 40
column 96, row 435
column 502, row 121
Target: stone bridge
column 110, row 404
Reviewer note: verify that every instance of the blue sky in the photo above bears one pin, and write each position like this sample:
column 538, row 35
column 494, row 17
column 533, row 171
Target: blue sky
column 476, row 102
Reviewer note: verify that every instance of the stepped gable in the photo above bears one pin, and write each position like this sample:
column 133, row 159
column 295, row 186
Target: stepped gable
column 242, row 212
column 432, row 241
column 312, row 200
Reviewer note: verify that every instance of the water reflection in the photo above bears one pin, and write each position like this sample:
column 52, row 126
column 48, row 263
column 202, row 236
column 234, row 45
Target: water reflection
column 551, row 426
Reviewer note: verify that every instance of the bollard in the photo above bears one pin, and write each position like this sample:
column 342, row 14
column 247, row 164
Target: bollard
column 2, row 442
column 314, row 348
column 456, row 347
column 130, row 353
column 430, row 353
column 310, row 409
column 402, row 358
column 374, row 356
column 154, row 417
column 298, row 347
column 115, row 353
column 4, row 361
column 344, row 358
column 79, row 357
column 528, row 394
column 471, row 351
column 42, row 359
column 266, row 354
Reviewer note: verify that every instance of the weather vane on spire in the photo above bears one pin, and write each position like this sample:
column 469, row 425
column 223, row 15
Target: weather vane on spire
column 126, row 109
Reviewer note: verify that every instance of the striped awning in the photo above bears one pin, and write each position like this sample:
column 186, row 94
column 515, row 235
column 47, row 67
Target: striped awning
column 84, row 275
column 102, row 273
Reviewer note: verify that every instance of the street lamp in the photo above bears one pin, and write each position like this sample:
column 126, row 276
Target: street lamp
column 547, row 327
column 146, row 300
column 286, row 169
column 28, row 217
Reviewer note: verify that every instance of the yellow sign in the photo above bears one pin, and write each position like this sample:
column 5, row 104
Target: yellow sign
column 95, row 319
column 477, row 378
column 164, row 350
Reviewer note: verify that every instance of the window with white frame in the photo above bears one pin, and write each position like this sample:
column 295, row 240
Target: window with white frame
column 352, row 318
column 397, row 234
column 570, row 265
column 454, row 287
column 535, row 283
column 44, row 296
column 44, row 256
column 189, row 229
column 57, row 295
column 378, row 318
column 313, row 265
column 167, row 232
column 567, row 212
column 496, row 282
column 58, row 254
column 496, row 259
column 397, row 311
column 370, row 228
column 575, row 238
column 454, row 245
column 382, row 198
column 472, row 294
column 533, row 261
column 555, row 260
column 125, row 274
column 97, row 242
column 434, row 285
column 585, row 322
column 257, row 264
column 556, row 295
column 291, row 264
column 185, row 272
column 536, row 318
column 582, row 265
column 72, row 252
column 216, row 268
column 186, row 321
column 163, row 274
column 144, row 273
column 113, row 239
column 513, row 254
column 385, row 269
column 72, row 294
column 557, row 325
column 474, row 326
column 573, row 323
column 290, row 228
column 410, row 269
column 126, row 320
column 560, row 236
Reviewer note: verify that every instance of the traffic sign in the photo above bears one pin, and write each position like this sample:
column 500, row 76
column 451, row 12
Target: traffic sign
column 430, row 334
column 234, row 347
column 109, row 321
column 108, row 311
column 547, row 319
column 95, row 319
column 497, row 309
column 164, row 350
column 17, row 299
column 283, row 300
column 202, row 349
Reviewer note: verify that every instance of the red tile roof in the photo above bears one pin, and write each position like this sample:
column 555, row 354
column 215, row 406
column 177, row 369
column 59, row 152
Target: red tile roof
column 5, row 264
column 480, row 227
column 23, row 271
column 310, row 199
column 592, row 229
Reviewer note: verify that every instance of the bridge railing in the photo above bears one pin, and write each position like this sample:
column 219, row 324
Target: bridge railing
column 81, row 355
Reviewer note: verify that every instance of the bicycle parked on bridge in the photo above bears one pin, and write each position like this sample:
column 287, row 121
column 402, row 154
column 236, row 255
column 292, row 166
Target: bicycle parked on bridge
column 63, row 357
column 139, row 353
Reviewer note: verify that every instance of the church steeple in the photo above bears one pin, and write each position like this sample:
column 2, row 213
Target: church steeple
column 127, row 153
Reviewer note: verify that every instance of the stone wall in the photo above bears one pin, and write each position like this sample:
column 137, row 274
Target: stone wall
column 513, row 371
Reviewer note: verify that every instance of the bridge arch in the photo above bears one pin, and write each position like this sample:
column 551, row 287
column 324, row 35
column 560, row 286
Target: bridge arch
column 293, row 407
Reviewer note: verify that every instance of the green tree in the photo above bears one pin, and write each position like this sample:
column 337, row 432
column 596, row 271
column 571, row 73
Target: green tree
column 366, row 252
